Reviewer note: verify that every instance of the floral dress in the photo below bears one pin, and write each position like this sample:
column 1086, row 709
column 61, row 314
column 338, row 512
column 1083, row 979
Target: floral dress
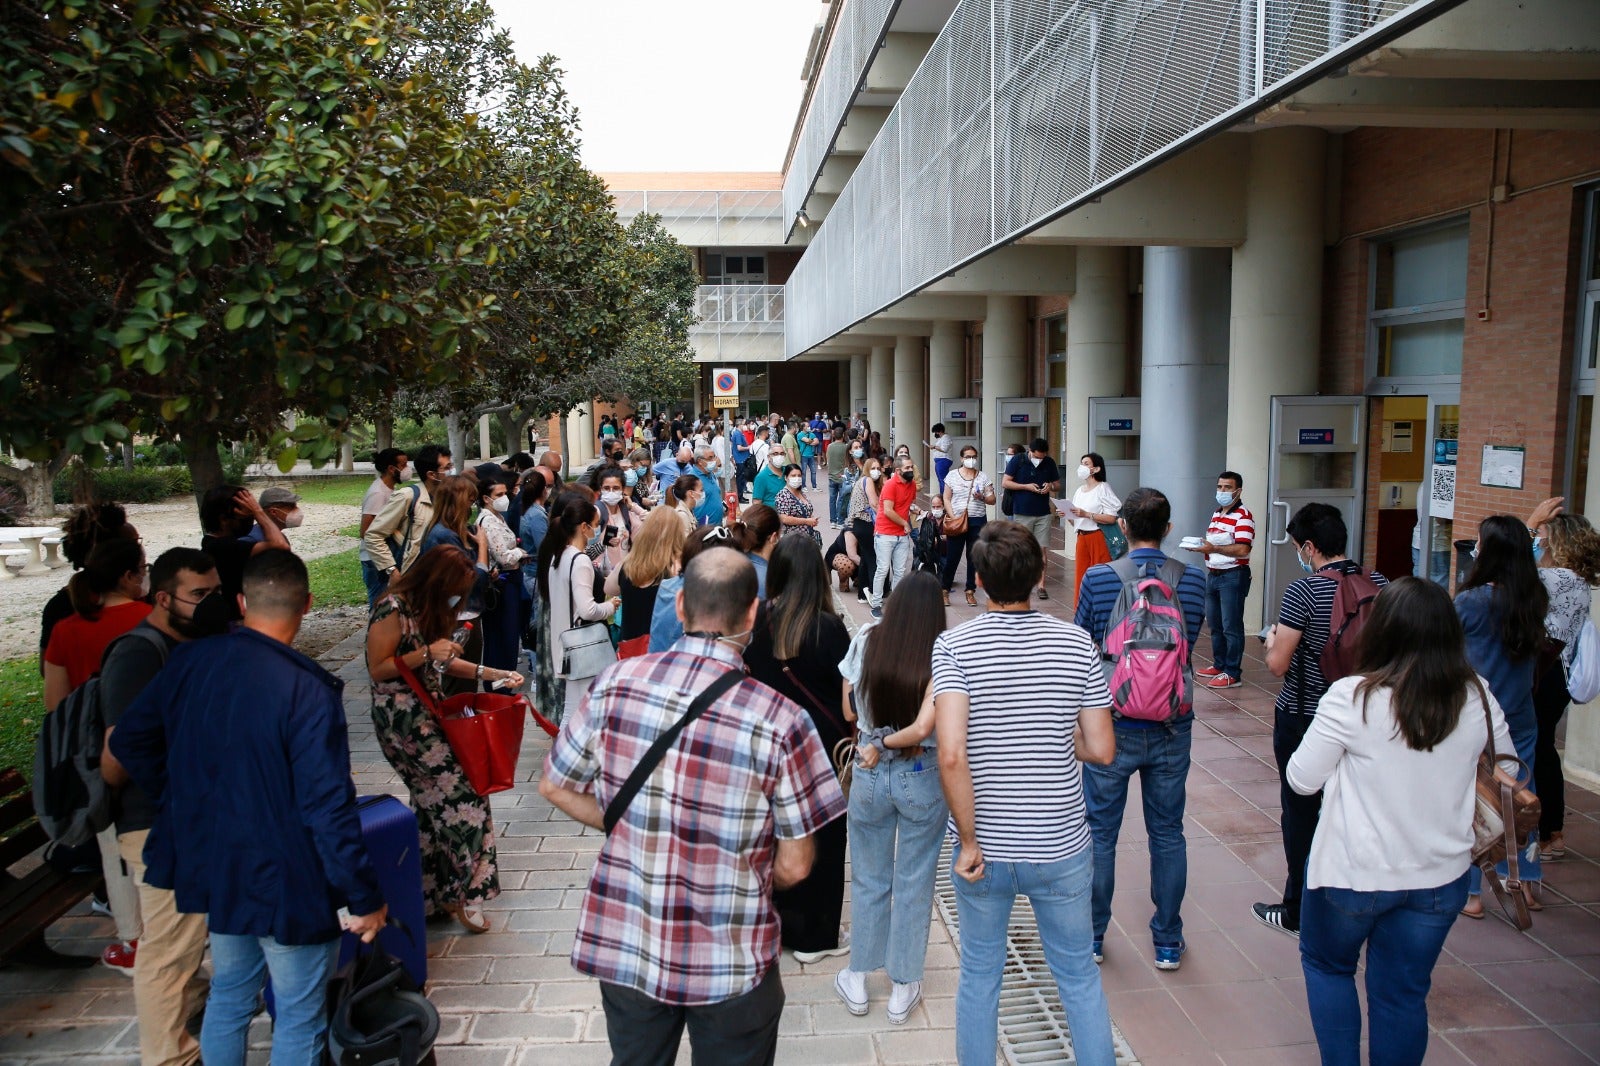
column 791, row 503
column 453, row 821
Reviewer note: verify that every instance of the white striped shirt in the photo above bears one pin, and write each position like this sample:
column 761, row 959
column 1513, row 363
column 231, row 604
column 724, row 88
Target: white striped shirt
column 1026, row 675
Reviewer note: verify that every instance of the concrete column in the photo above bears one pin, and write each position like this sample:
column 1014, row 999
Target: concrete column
column 1005, row 371
column 1276, row 308
column 880, row 386
column 1097, row 346
column 945, row 359
column 911, row 399
column 1581, row 760
column 1184, row 380
column 858, row 381
column 582, row 436
column 845, row 368
column 485, row 443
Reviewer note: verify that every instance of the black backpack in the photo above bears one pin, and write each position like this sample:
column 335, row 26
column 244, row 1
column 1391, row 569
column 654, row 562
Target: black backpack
column 69, row 795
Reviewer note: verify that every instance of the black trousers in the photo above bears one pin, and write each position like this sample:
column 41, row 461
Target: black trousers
column 810, row 910
column 742, row 1031
column 1299, row 814
column 869, row 557
column 1550, row 700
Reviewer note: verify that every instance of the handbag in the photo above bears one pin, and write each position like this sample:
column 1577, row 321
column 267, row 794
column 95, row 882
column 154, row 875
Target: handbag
column 658, row 750
column 1505, row 812
column 1116, row 541
column 1583, row 675
column 954, row 525
column 484, row 729
column 586, row 649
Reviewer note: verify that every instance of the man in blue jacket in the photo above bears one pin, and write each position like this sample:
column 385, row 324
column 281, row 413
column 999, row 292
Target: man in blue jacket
column 240, row 742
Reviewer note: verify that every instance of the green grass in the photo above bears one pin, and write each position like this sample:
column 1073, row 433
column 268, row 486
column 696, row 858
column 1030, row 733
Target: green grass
column 346, row 490
column 21, row 704
column 336, row 580
column 350, row 530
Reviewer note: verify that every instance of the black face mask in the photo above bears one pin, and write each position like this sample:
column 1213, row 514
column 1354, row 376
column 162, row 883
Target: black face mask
column 909, row 475
column 211, row 617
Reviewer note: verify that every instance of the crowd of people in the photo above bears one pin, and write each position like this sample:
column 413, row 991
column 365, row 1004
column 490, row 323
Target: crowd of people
column 674, row 607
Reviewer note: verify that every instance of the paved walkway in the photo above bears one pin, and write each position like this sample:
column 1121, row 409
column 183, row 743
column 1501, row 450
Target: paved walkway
column 511, row 997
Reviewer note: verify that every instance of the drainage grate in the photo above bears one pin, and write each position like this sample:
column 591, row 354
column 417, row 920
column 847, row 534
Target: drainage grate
column 1033, row 1024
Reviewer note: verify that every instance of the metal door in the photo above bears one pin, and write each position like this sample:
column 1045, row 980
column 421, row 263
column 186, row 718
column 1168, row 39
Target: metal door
column 1319, row 453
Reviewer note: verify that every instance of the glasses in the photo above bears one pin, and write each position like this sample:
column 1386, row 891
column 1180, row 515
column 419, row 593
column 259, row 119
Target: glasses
column 714, row 533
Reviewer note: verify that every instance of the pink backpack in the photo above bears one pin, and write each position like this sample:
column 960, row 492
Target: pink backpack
column 1146, row 651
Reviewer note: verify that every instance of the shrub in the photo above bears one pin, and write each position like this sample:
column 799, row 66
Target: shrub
column 163, row 453
column 147, row 484
column 410, row 435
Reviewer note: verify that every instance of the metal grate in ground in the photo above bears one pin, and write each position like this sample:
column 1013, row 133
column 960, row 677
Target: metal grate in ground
column 1033, row 1024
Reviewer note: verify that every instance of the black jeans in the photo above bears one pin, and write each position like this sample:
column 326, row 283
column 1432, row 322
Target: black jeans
column 954, row 546
column 1550, row 700
column 869, row 557
column 742, row 1031
column 1299, row 813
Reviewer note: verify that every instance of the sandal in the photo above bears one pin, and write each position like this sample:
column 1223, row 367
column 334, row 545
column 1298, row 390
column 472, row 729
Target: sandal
column 1473, row 909
column 946, row 595
column 1532, row 891
column 972, row 598
column 1553, row 849
column 469, row 915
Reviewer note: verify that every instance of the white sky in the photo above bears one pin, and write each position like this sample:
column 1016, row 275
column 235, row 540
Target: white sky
column 696, row 85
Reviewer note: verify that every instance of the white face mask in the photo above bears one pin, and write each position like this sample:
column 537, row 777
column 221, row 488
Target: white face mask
column 876, row 474
column 403, row 474
column 144, row 585
column 501, row 504
column 970, row 462
column 1035, row 460
column 937, row 513
column 794, row 481
column 1084, row 472
column 611, row 497
column 775, row 460
column 452, row 472
column 293, row 519
column 857, row 453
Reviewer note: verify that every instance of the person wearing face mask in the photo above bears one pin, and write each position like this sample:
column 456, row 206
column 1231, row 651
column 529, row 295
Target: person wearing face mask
column 967, row 492
column 283, row 510
column 567, row 585
column 710, row 510
column 862, row 517
column 836, row 464
column 503, row 612
column 393, row 467
column 752, row 790
column 226, row 514
column 186, row 605
column 674, row 465
column 892, row 533
column 940, row 447
column 684, row 496
column 1229, row 537
column 794, row 510
column 414, row 621
column 769, row 481
column 394, row 536
column 1033, row 478
column 1294, row 647
column 1094, row 509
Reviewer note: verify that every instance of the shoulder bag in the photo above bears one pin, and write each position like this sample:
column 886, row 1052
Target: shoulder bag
column 954, row 523
column 586, row 648
column 483, row 729
column 652, row 758
column 1504, row 813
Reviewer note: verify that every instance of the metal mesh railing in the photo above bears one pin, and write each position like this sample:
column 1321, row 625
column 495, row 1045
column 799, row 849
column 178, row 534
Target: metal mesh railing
column 1024, row 109
column 708, row 219
column 856, row 36
column 738, row 309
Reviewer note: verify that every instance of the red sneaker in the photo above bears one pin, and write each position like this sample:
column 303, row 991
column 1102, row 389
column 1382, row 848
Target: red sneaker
column 1223, row 681
column 1210, row 671
column 120, row 957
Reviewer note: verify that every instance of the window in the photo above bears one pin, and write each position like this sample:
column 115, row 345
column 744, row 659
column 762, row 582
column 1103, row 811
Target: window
column 1417, row 311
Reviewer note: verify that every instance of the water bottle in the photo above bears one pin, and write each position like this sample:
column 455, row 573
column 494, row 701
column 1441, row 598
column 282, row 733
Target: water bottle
column 458, row 637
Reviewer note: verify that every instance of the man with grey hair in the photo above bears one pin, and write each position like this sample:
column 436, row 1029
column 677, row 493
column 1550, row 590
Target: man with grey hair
column 726, row 812
column 706, row 467
column 672, row 466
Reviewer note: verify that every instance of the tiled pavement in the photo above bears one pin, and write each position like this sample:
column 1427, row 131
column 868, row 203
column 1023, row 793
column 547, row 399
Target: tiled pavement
column 511, row 997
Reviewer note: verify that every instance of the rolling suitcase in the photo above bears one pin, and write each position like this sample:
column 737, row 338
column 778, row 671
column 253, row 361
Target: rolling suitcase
column 389, row 829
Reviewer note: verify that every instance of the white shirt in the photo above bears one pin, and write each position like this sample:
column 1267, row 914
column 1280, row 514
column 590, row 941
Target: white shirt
column 1097, row 499
column 941, row 444
column 1392, row 818
column 759, row 449
column 967, row 495
column 378, row 494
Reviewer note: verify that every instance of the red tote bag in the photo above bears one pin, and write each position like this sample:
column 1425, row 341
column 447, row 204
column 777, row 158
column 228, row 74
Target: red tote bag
column 484, row 729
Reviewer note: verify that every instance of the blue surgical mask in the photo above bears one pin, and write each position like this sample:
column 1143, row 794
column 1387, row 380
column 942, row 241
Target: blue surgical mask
column 1538, row 548
column 453, row 601
column 1305, row 564
column 630, row 478
column 1224, row 498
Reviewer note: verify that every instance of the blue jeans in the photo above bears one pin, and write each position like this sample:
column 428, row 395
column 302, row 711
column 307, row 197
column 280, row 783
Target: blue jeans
column 1438, row 567
column 1160, row 756
column 374, row 580
column 1225, row 593
column 836, row 501
column 1060, row 893
column 941, row 467
column 897, row 822
column 1524, row 729
column 300, row 975
column 894, row 558
column 1403, row 932
column 808, row 470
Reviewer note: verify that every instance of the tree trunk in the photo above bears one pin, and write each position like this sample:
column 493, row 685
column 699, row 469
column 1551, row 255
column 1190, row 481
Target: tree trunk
column 37, row 484
column 383, row 427
column 458, row 439
column 347, row 456
column 511, row 423
column 127, row 455
column 205, row 464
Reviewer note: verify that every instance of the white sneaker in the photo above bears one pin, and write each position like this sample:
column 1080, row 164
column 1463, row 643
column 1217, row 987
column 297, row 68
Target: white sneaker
column 902, row 999
column 825, row 953
column 851, row 986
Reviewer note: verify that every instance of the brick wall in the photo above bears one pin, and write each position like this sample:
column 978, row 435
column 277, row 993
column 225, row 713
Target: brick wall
column 1517, row 365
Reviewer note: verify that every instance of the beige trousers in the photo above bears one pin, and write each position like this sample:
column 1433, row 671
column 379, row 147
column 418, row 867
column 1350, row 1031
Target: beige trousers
column 169, row 958
column 122, row 888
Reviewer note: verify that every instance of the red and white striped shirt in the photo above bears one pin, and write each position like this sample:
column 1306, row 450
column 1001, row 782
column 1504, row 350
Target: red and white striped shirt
column 1238, row 523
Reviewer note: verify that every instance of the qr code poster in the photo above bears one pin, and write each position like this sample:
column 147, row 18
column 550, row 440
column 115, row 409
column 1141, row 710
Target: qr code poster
column 1442, row 496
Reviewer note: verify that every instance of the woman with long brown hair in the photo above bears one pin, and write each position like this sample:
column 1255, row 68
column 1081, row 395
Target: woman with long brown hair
column 656, row 546
column 897, row 808
column 797, row 647
column 414, row 620
column 755, row 532
column 1394, row 750
column 862, row 513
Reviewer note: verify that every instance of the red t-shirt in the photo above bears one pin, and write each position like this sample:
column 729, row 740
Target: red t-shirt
column 901, row 493
column 79, row 644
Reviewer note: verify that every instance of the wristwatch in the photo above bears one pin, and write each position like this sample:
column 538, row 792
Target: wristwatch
column 390, row 572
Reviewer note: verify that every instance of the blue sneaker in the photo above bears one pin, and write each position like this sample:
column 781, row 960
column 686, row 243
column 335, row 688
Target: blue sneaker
column 1099, row 950
column 1170, row 956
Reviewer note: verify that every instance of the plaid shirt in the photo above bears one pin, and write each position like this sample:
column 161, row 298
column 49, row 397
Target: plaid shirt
column 679, row 905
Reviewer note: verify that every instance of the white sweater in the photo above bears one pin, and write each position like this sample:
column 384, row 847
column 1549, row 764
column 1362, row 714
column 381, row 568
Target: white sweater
column 1392, row 818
